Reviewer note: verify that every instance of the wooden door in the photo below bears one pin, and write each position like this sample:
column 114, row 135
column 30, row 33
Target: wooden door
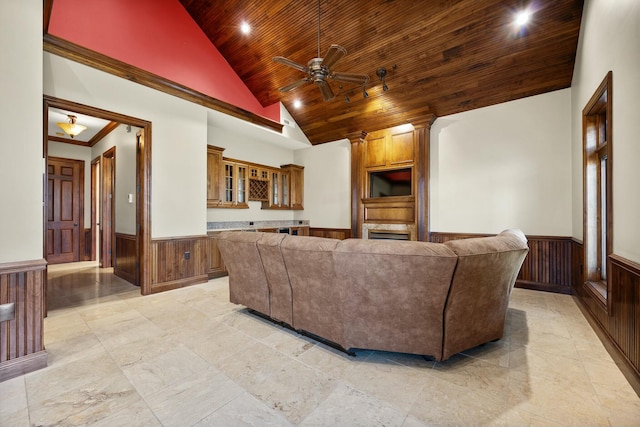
column 64, row 209
column 107, row 207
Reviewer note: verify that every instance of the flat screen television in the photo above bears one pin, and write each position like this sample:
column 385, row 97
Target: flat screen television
column 389, row 183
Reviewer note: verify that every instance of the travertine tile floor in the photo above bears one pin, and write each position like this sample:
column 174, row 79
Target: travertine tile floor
column 190, row 358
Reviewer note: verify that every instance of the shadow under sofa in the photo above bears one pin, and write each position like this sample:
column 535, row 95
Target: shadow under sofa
column 433, row 299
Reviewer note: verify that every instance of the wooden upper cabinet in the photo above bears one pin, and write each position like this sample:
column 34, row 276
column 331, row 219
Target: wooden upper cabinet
column 258, row 184
column 233, row 183
column 389, row 147
column 278, row 190
column 286, row 188
column 376, row 150
column 214, row 176
column 236, row 185
column 401, row 148
column 296, row 185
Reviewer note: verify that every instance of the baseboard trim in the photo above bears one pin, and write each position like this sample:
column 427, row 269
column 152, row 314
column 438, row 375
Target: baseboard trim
column 23, row 365
column 180, row 283
column 535, row 286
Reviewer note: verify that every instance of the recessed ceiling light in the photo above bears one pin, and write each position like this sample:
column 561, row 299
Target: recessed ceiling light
column 297, row 103
column 245, row 27
column 522, row 18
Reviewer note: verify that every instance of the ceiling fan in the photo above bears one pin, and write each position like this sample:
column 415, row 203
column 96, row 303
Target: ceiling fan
column 319, row 69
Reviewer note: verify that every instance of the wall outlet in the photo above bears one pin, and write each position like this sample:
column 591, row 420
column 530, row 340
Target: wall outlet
column 7, row 312
column 187, row 255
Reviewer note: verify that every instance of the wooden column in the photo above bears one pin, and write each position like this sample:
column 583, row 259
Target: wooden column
column 356, row 139
column 422, row 127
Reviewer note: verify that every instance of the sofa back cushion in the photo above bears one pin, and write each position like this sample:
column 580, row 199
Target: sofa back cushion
column 277, row 277
column 394, row 293
column 247, row 280
column 316, row 300
column 477, row 304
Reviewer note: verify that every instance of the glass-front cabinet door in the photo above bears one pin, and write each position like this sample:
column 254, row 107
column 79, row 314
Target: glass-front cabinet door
column 236, row 183
column 274, row 200
column 228, row 182
column 242, row 184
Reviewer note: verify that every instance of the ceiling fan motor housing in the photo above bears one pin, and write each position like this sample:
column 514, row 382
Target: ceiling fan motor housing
column 317, row 71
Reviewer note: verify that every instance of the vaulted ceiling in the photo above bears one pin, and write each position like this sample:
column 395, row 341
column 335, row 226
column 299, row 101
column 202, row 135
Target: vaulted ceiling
column 442, row 57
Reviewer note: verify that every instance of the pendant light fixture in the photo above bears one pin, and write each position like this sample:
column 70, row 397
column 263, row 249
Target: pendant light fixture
column 72, row 128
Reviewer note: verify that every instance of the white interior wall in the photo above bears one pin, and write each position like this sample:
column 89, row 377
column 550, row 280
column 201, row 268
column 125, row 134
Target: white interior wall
column 21, row 160
column 610, row 40
column 327, row 184
column 125, row 143
column 179, row 138
column 503, row 166
column 291, row 129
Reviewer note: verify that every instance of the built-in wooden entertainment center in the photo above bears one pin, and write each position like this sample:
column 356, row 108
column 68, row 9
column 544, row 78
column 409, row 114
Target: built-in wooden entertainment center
column 389, row 181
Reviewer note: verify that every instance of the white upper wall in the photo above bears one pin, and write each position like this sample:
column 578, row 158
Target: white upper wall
column 327, row 184
column 610, row 40
column 21, row 161
column 503, row 166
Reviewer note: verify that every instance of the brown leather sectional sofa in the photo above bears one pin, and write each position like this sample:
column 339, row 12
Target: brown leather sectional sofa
column 434, row 299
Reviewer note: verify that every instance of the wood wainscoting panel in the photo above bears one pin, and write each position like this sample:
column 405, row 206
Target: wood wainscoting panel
column 624, row 325
column 331, row 233
column 21, row 337
column 177, row 262
column 87, row 245
column 620, row 331
column 126, row 257
column 577, row 263
column 547, row 266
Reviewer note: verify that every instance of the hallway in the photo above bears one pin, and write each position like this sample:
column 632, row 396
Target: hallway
column 79, row 284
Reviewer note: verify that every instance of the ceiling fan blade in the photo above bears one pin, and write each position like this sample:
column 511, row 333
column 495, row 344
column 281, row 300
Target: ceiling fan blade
column 294, row 85
column 290, row 63
column 325, row 89
column 350, row 77
column 334, row 54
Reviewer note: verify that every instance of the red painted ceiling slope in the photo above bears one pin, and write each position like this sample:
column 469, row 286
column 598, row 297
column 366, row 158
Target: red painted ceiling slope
column 157, row 36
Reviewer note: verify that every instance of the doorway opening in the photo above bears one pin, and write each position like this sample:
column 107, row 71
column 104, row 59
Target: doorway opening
column 102, row 179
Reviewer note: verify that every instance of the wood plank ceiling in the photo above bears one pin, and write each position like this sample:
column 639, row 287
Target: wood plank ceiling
column 442, row 57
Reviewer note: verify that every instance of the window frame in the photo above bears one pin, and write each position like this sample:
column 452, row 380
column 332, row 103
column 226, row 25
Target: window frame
column 597, row 137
